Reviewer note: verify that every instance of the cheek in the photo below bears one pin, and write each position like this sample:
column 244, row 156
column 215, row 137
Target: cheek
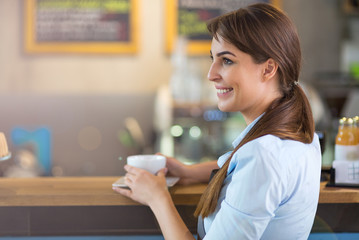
column 246, row 90
column 233, row 78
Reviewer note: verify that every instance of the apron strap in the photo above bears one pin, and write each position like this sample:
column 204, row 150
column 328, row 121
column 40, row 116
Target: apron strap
column 201, row 232
column 200, row 228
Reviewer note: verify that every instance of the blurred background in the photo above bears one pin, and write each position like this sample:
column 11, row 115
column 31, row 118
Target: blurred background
column 81, row 112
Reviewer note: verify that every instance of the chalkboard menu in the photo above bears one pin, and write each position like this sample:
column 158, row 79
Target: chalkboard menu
column 187, row 18
column 81, row 26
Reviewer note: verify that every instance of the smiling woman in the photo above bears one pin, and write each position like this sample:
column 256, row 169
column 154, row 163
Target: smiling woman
column 271, row 178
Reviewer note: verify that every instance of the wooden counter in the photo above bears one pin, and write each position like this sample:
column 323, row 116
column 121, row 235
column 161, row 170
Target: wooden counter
column 78, row 191
column 82, row 206
column 338, row 195
column 88, row 206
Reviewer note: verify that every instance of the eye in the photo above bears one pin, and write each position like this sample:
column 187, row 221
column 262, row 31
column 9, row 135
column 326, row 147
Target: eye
column 227, row 61
column 211, row 57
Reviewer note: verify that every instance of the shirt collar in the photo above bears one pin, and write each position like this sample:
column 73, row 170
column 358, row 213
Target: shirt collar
column 222, row 159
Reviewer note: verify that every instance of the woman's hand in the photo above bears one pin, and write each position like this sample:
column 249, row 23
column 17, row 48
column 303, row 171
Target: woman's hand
column 145, row 187
column 152, row 190
column 190, row 174
column 178, row 169
column 175, row 167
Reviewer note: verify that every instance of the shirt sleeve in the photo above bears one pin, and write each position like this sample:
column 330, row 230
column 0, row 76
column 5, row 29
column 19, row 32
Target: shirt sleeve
column 252, row 196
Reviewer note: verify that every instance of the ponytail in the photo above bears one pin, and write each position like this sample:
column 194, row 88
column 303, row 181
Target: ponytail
column 287, row 118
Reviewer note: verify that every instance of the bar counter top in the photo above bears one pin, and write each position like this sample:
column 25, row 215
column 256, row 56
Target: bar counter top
column 97, row 191
column 79, row 191
column 88, row 206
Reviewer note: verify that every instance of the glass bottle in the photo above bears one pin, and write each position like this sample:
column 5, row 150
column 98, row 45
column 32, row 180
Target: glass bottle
column 346, row 141
column 356, row 130
column 356, row 126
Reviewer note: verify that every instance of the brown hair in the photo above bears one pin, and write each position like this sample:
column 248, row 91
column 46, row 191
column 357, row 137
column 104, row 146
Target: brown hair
column 264, row 32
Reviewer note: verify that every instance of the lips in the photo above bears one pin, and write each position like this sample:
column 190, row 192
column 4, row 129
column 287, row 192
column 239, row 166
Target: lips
column 224, row 90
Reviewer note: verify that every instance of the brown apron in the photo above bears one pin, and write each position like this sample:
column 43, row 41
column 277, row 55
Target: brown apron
column 201, row 232
column 200, row 229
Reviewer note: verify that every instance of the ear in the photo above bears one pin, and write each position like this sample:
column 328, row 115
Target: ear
column 270, row 69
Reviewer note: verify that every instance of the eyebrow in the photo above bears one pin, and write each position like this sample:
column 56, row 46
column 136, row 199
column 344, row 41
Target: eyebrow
column 224, row 53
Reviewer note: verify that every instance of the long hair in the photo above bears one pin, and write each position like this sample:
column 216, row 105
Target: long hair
column 264, row 32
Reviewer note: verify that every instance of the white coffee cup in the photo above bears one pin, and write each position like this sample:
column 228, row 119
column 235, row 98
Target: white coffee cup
column 151, row 163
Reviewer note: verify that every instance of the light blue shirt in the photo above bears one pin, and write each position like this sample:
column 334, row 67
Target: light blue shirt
column 271, row 190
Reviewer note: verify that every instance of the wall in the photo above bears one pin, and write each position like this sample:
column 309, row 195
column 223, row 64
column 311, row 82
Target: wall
column 318, row 24
column 23, row 73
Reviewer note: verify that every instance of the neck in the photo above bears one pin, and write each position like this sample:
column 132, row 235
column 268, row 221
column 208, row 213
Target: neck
column 254, row 113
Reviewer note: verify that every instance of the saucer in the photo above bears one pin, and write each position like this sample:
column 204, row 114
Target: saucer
column 171, row 181
column 6, row 157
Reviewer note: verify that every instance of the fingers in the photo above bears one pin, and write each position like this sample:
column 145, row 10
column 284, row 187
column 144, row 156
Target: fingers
column 158, row 153
column 128, row 179
column 132, row 170
column 162, row 172
column 123, row 191
column 134, row 175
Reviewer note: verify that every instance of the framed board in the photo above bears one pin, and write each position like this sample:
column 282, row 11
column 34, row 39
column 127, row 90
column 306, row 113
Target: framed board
column 81, row 26
column 350, row 7
column 187, row 18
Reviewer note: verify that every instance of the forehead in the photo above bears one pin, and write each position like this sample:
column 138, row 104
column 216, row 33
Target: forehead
column 222, row 45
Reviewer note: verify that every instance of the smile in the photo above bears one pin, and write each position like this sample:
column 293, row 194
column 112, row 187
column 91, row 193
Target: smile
column 224, row 90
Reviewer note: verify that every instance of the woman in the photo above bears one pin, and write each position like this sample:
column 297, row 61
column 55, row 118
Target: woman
column 268, row 186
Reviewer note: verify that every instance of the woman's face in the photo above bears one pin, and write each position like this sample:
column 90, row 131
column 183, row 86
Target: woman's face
column 238, row 80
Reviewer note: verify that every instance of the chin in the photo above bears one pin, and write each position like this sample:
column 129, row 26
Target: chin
column 223, row 108
column 227, row 108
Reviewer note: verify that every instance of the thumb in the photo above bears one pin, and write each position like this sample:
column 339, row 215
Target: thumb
column 162, row 172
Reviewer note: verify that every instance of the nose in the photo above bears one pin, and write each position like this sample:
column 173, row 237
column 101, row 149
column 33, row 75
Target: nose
column 213, row 74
